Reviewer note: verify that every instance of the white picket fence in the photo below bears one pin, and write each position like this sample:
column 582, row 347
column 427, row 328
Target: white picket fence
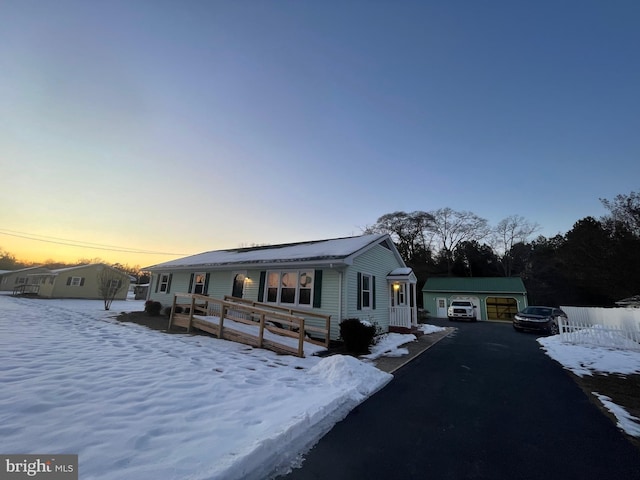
column 617, row 328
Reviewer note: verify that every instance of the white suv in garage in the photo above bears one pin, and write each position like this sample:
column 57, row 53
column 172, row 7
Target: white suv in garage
column 462, row 310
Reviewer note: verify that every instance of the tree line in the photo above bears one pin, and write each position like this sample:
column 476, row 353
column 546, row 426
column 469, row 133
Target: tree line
column 594, row 263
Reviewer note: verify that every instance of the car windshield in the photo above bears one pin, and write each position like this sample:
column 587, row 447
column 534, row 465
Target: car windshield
column 460, row 304
column 542, row 311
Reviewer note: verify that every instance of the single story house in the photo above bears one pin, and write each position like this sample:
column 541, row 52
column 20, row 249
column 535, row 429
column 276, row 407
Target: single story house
column 496, row 298
column 360, row 277
column 9, row 280
column 83, row 281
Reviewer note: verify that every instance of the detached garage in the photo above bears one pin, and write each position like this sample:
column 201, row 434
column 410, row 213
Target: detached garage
column 496, row 298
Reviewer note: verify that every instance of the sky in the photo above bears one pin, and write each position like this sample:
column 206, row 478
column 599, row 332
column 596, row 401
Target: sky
column 121, row 369
column 168, row 128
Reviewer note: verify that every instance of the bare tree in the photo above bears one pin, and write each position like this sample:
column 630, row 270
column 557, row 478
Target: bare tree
column 510, row 231
column 409, row 231
column 450, row 228
column 109, row 284
column 625, row 210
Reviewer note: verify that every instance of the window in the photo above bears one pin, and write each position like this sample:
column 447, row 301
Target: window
column 164, row 282
column 199, row 280
column 114, row 284
column 75, row 281
column 366, row 291
column 21, row 280
column 294, row 287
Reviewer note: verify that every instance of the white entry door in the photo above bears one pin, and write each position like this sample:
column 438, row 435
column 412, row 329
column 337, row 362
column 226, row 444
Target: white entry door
column 441, row 304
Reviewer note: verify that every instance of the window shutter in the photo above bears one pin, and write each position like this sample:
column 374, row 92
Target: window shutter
column 119, row 283
column 359, row 290
column 317, row 289
column 158, row 282
column 373, row 291
column 169, row 283
column 206, row 283
column 190, row 283
column 263, row 278
column 81, row 281
column 69, row 281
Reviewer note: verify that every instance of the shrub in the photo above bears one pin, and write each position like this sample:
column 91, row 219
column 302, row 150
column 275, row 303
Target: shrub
column 152, row 308
column 357, row 335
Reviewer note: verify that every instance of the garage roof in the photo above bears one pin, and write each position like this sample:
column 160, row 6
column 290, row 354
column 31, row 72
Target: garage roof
column 475, row 285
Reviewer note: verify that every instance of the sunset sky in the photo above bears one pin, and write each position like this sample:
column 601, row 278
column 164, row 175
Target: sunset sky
column 175, row 127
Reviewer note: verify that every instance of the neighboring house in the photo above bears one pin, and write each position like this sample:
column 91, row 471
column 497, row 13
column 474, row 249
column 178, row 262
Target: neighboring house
column 78, row 282
column 496, row 298
column 355, row 277
column 9, row 280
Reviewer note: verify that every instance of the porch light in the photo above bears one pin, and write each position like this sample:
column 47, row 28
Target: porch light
column 396, row 286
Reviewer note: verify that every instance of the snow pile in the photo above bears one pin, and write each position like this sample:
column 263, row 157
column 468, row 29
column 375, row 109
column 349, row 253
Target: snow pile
column 137, row 403
column 429, row 329
column 626, row 421
column 387, row 345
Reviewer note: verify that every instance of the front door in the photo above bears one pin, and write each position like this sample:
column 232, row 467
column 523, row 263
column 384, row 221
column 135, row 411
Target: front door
column 441, row 304
column 238, row 285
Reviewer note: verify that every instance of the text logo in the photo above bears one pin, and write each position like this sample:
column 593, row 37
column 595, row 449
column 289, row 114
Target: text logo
column 45, row 467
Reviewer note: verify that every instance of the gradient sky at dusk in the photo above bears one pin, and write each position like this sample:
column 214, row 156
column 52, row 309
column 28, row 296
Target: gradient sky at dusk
column 186, row 126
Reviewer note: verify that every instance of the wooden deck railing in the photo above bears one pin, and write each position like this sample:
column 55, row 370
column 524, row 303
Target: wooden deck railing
column 209, row 314
column 312, row 331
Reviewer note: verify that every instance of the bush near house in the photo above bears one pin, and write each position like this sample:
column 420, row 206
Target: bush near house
column 357, row 335
column 152, row 308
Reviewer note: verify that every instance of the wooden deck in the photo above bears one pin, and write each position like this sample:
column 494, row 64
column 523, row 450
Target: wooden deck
column 251, row 323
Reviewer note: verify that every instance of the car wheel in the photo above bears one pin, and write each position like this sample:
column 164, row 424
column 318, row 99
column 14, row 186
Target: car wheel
column 553, row 328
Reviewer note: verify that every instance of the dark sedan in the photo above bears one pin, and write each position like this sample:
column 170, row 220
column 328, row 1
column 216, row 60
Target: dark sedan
column 539, row 319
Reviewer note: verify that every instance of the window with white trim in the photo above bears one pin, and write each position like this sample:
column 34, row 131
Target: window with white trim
column 199, row 280
column 76, row 281
column 366, row 291
column 164, row 282
column 290, row 287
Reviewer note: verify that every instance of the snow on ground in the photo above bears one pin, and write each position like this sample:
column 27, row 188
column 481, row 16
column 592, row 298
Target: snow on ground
column 590, row 359
column 626, row 422
column 137, row 403
column 388, row 344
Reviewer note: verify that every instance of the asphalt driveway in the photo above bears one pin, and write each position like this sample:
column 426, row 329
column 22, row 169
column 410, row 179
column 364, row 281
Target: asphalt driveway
column 483, row 403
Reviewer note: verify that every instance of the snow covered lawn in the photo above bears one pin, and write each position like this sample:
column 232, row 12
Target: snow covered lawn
column 137, row 403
